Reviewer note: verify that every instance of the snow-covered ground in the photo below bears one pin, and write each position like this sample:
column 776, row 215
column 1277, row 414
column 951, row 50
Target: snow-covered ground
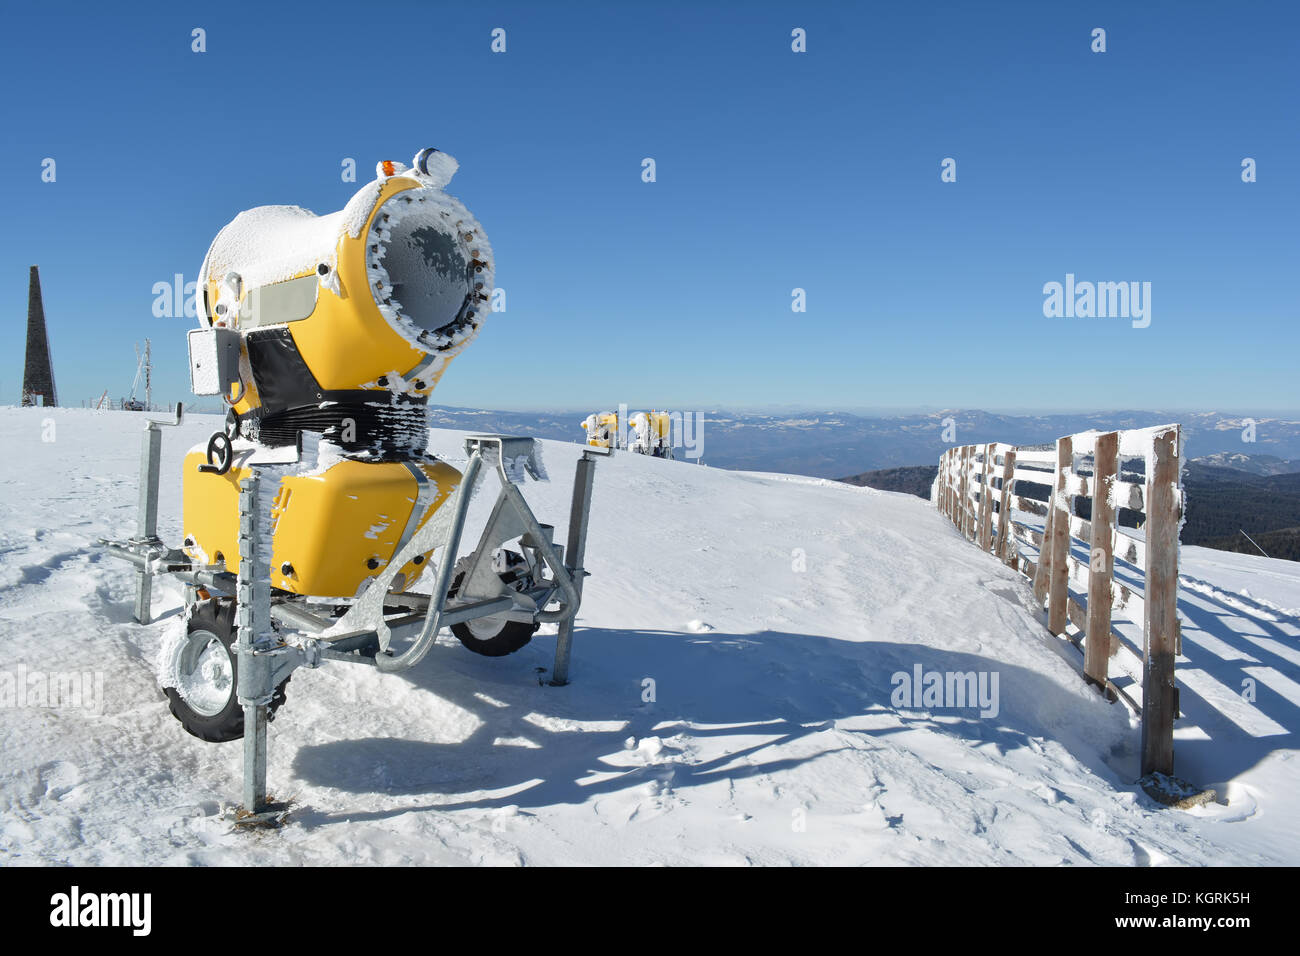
column 731, row 695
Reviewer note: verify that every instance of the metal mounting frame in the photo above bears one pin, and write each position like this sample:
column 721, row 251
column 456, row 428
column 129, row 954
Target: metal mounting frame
column 366, row 633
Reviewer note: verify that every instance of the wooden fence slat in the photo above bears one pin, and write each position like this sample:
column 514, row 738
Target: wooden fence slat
column 1034, row 476
column 1043, row 456
column 1101, row 558
column 1080, row 528
column 1027, row 534
column 1030, row 506
column 1160, row 624
column 1129, row 495
column 1129, row 548
column 1129, row 603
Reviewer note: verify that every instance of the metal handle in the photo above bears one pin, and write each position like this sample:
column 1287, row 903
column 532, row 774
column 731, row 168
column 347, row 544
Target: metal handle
column 219, row 443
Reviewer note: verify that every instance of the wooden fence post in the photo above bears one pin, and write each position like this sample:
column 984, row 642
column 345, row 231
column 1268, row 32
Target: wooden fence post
column 953, row 485
column 956, row 486
column 1043, row 566
column 942, row 503
column 1059, row 586
column 972, row 515
column 986, row 498
column 958, row 456
column 961, row 491
column 938, row 478
column 1101, row 558
column 954, row 476
column 1160, row 624
column 1004, row 507
column 945, row 487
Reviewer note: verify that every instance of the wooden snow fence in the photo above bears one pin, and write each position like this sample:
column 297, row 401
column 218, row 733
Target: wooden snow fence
column 1114, row 564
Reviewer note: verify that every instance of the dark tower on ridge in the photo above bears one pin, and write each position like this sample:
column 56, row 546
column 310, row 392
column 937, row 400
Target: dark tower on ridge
column 38, row 373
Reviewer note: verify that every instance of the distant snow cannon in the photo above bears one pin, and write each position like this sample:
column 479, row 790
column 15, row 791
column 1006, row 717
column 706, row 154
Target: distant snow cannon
column 310, row 517
column 649, row 433
column 652, row 434
column 602, row 430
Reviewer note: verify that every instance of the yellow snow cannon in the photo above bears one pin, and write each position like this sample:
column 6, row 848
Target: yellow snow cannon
column 602, row 430
column 341, row 326
column 310, row 516
column 651, row 434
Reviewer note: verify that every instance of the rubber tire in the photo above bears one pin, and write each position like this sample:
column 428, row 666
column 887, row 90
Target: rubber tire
column 511, row 637
column 227, row 725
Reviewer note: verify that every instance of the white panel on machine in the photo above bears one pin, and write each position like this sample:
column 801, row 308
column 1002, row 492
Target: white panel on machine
column 214, row 360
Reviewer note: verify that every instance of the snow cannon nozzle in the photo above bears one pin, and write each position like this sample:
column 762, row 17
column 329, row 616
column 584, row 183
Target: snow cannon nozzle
column 379, row 296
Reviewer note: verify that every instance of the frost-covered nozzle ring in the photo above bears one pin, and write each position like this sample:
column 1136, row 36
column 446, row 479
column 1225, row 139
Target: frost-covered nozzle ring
column 428, row 261
column 378, row 295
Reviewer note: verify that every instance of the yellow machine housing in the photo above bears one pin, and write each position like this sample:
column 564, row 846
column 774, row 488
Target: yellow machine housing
column 330, row 531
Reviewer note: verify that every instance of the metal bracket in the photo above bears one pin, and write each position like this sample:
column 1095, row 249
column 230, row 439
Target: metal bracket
column 146, row 542
column 147, row 518
column 512, row 458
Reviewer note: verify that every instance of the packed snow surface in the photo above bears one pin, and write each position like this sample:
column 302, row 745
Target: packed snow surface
column 737, row 663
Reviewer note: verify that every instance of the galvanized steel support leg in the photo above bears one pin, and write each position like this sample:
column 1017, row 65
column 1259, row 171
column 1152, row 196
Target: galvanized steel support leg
column 147, row 521
column 255, row 758
column 255, row 684
column 575, row 554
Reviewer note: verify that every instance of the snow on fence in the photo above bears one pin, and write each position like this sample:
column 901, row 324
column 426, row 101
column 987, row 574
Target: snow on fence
column 1094, row 523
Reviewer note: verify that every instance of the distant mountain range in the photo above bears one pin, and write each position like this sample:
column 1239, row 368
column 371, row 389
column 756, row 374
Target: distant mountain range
column 833, row 444
column 1254, row 464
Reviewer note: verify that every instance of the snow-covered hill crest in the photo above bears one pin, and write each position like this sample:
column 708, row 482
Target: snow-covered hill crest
column 735, row 698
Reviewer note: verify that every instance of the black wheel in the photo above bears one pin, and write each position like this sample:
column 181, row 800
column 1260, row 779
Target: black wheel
column 206, row 673
column 492, row 636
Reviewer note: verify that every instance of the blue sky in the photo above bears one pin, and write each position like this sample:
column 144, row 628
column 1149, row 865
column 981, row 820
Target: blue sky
column 775, row 170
